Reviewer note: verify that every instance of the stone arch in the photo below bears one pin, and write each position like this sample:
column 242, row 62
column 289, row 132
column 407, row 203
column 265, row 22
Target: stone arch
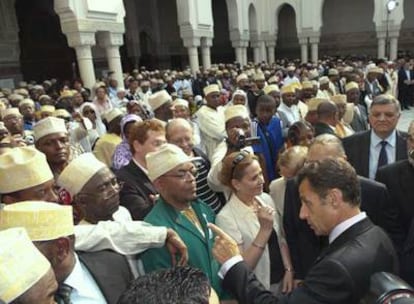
column 287, row 32
column 44, row 51
column 339, row 36
column 221, row 50
column 233, row 14
column 406, row 39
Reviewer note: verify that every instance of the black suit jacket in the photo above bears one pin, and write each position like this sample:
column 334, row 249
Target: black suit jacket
column 323, row 128
column 357, row 150
column 110, row 271
column 340, row 275
column 305, row 246
column 135, row 194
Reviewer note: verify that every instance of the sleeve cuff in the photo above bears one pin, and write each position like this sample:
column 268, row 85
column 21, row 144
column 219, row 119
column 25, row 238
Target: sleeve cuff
column 227, row 265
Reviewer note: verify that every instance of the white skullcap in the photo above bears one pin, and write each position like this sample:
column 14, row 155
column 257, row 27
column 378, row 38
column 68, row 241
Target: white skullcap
column 212, row 88
column 22, row 265
column 157, row 99
column 180, row 102
column 112, row 114
column 43, row 221
column 11, row 111
column 242, row 76
column 22, row 168
column 165, row 159
column 78, row 172
column 235, row 111
column 49, row 125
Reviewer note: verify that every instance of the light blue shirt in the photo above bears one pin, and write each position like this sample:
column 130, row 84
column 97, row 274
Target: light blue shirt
column 85, row 290
column 340, row 228
column 375, row 148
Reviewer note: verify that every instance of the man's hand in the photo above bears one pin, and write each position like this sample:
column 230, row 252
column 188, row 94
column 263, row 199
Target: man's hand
column 175, row 245
column 224, row 246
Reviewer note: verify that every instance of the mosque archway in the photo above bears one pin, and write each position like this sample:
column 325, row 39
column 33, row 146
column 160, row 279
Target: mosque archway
column 342, row 35
column 406, row 39
column 287, row 37
column 221, row 50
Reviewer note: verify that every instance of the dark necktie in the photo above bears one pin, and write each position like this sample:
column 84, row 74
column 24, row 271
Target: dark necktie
column 63, row 294
column 382, row 159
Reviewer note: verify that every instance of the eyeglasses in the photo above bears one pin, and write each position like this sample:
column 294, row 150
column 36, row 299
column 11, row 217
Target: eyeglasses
column 183, row 173
column 103, row 188
column 242, row 155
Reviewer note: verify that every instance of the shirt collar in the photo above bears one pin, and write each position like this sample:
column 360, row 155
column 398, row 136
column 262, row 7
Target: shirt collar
column 77, row 277
column 139, row 166
column 376, row 140
column 340, row 228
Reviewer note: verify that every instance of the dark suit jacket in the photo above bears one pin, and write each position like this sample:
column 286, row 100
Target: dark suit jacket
column 323, row 128
column 340, row 275
column 305, row 246
column 135, row 194
column 110, row 271
column 399, row 179
column 357, row 150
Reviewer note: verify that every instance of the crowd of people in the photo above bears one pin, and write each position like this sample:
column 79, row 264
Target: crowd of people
column 258, row 184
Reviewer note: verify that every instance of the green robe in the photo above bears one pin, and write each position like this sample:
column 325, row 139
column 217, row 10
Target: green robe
column 199, row 247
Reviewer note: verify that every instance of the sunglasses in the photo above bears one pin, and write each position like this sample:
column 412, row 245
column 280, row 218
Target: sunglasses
column 239, row 157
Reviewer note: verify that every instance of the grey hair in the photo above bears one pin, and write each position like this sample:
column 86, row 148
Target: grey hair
column 331, row 140
column 385, row 99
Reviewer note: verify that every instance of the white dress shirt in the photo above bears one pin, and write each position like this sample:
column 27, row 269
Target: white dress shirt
column 292, row 113
column 340, row 228
column 375, row 148
column 85, row 289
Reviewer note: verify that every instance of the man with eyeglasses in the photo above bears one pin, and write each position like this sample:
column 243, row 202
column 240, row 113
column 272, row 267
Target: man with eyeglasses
column 383, row 144
column 173, row 174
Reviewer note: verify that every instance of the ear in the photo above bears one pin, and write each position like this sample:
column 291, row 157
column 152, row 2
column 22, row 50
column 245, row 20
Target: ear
column 235, row 184
column 8, row 199
column 62, row 248
column 335, row 197
column 137, row 146
column 158, row 184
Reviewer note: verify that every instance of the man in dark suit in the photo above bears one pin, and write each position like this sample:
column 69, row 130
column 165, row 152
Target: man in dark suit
column 399, row 179
column 406, row 85
column 330, row 195
column 327, row 113
column 304, row 245
column 98, row 277
column 383, row 144
column 138, row 193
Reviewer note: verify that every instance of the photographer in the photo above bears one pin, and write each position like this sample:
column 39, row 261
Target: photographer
column 238, row 130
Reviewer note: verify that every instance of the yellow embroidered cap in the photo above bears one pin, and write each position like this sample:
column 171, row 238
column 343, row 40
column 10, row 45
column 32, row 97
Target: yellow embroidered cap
column 49, row 125
column 78, row 172
column 271, row 88
column 165, row 159
column 157, row 99
column 235, row 111
column 43, row 221
column 22, row 168
column 212, row 88
column 22, row 265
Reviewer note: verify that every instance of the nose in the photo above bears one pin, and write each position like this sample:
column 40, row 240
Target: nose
column 303, row 214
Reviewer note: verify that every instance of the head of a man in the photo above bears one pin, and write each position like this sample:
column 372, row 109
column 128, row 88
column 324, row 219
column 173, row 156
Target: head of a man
column 330, row 193
column 20, row 259
column 180, row 285
column 265, row 108
column 237, row 121
column 300, row 133
column 51, row 138
column 26, row 175
column 144, row 137
column 112, row 120
column 173, row 174
column 13, row 120
column 327, row 113
column 288, row 95
column 340, row 101
column 27, row 109
column 352, row 92
column 384, row 113
column 179, row 132
column 161, row 104
column 212, row 96
column 325, row 146
column 50, row 227
column 94, row 191
column 181, row 109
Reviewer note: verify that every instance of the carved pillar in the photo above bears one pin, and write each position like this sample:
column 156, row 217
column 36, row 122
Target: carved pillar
column 192, row 45
column 304, row 49
column 206, row 43
column 111, row 43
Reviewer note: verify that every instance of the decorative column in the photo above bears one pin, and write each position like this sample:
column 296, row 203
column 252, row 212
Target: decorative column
column 239, row 54
column 263, row 51
column 270, row 44
column 244, row 55
column 314, row 41
column 304, row 49
column 393, row 47
column 240, row 50
column 206, row 43
column 82, row 43
column 381, row 48
column 256, row 54
column 111, row 43
column 192, row 45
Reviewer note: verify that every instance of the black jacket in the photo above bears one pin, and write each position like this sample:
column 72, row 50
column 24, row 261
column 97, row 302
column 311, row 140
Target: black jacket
column 110, row 271
column 135, row 194
column 340, row 275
